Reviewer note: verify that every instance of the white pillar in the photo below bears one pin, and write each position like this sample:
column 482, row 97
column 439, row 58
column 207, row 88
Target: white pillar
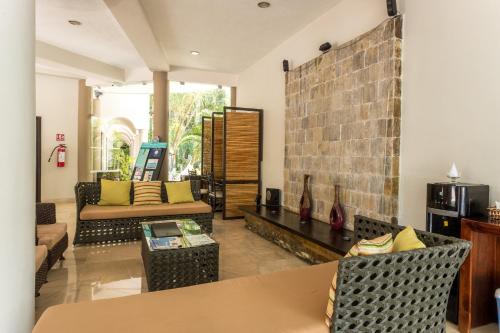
column 17, row 167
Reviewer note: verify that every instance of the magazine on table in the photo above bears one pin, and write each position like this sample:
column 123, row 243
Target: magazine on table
column 165, row 243
column 198, row 240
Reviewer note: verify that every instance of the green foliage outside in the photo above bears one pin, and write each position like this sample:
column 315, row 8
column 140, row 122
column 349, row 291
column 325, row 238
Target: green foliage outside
column 120, row 158
column 185, row 115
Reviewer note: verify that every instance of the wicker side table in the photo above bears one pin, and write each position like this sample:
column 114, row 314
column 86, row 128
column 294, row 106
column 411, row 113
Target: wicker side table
column 175, row 268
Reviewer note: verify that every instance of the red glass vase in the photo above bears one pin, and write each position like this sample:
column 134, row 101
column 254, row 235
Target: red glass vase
column 337, row 217
column 305, row 202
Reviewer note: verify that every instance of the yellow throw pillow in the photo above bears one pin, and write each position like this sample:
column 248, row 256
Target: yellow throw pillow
column 379, row 245
column 115, row 193
column 407, row 240
column 179, row 192
column 147, row 193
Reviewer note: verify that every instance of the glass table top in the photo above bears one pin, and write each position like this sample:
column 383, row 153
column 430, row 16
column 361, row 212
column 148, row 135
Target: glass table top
column 191, row 236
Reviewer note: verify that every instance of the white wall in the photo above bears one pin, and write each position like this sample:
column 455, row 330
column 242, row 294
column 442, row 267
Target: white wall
column 451, row 97
column 131, row 105
column 57, row 104
column 263, row 84
column 451, row 94
column 17, row 193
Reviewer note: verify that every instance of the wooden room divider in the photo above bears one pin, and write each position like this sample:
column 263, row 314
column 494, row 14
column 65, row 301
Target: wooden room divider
column 242, row 157
column 206, row 146
column 217, row 145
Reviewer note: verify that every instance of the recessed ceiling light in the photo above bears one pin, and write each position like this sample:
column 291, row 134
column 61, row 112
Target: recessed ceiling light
column 74, row 22
column 264, row 4
column 195, row 52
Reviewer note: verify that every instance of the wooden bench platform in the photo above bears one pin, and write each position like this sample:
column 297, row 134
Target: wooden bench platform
column 315, row 242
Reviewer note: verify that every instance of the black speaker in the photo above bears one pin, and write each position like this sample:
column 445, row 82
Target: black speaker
column 273, row 197
column 286, row 66
column 392, row 7
column 325, row 47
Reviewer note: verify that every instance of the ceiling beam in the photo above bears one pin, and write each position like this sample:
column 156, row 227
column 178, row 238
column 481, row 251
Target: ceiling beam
column 49, row 57
column 131, row 17
column 182, row 74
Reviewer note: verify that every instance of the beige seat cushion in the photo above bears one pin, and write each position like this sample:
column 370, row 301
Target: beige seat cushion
column 218, row 194
column 95, row 212
column 50, row 234
column 40, row 255
column 289, row 301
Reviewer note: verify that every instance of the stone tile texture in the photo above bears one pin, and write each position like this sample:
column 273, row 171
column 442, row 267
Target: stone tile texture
column 343, row 115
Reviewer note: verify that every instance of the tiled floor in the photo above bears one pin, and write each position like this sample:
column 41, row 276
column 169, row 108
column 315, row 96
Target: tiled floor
column 97, row 272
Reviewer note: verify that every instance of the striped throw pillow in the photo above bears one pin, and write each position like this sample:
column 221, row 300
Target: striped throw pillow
column 147, row 193
column 379, row 245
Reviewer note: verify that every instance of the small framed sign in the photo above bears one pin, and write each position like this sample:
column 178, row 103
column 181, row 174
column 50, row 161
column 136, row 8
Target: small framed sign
column 59, row 137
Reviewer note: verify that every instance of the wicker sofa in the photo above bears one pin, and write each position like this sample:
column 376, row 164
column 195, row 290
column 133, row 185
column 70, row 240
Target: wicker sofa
column 98, row 224
column 397, row 292
column 49, row 233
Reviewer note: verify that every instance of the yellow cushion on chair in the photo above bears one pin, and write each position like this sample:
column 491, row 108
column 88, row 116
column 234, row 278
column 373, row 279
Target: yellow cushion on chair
column 407, row 240
column 115, row 193
column 179, row 192
column 379, row 245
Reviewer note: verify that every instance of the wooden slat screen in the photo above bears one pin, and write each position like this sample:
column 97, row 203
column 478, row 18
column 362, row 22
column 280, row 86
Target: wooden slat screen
column 242, row 146
column 242, row 158
column 239, row 195
column 207, row 146
column 217, row 146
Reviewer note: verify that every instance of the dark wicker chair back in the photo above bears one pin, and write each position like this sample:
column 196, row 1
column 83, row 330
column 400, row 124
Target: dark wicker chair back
column 397, row 292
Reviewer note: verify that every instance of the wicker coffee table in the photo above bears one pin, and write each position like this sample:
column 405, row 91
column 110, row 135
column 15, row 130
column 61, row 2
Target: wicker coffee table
column 179, row 267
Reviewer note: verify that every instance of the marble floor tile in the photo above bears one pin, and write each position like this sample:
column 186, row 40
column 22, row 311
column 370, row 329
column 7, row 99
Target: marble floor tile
column 94, row 272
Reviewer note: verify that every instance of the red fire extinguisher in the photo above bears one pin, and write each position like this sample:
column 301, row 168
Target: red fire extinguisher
column 61, row 155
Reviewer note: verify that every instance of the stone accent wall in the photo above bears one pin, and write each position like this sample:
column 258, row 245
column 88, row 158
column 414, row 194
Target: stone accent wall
column 343, row 113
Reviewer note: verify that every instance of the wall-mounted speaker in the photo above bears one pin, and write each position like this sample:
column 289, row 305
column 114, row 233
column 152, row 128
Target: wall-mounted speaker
column 392, row 7
column 273, row 197
column 286, row 66
column 325, row 47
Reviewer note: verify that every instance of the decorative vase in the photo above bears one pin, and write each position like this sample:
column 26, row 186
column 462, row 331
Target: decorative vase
column 337, row 216
column 305, row 202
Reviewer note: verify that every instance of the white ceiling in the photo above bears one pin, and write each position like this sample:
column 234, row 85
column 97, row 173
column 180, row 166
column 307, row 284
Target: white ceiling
column 230, row 34
column 99, row 37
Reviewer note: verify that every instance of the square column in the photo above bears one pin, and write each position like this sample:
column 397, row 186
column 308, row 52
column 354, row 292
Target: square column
column 84, row 114
column 160, row 114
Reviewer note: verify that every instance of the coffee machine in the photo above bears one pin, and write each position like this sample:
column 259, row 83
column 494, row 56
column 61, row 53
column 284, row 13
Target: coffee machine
column 447, row 204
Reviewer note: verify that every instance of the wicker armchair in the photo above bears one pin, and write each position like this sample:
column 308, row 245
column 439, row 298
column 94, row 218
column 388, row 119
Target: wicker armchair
column 124, row 229
column 397, row 292
column 46, row 215
column 215, row 194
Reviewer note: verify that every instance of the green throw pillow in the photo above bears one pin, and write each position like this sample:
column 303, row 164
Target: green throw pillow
column 115, row 193
column 179, row 192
